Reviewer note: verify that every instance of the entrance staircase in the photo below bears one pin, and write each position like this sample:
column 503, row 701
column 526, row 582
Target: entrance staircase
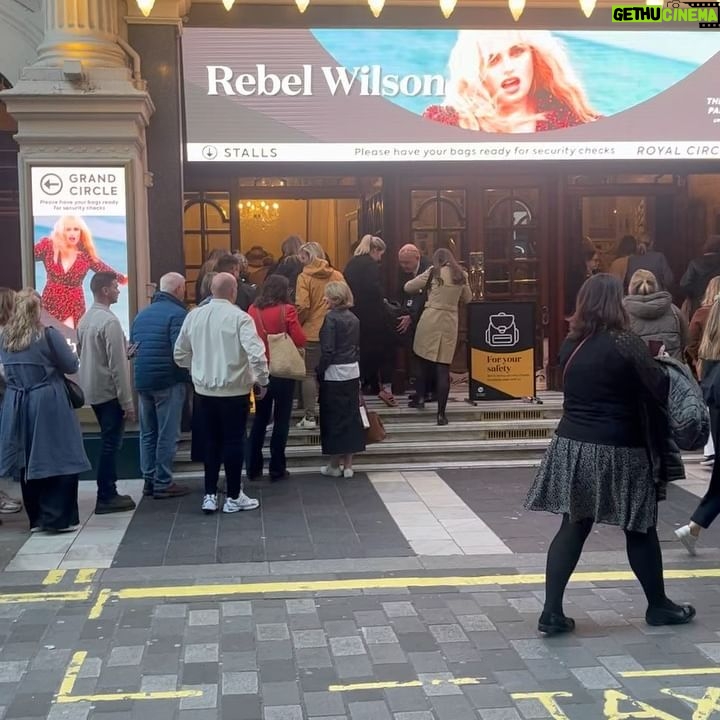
column 489, row 434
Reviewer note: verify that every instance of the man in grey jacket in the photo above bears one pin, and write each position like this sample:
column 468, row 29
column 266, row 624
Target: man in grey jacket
column 105, row 379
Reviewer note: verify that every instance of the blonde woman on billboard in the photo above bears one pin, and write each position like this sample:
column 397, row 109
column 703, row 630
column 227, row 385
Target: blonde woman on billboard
column 511, row 82
column 68, row 255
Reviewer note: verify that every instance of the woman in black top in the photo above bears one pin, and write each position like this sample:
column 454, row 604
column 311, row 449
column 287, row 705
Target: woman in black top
column 611, row 457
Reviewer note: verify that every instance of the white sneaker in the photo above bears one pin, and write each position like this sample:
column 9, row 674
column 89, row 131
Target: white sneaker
column 348, row 472
column 689, row 540
column 241, row 502
column 209, row 504
column 307, row 424
column 330, row 471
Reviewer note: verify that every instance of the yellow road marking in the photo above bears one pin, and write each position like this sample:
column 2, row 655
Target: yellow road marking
column 53, row 577
column 97, row 608
column 409, row 684
column 65, row 695
column 116, row 697
column 48, row 596
column 85, row 576
column 670, row 672
column 71, row 674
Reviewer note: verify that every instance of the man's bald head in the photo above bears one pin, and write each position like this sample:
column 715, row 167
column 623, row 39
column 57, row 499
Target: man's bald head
column 409, row 258
column 224, row 287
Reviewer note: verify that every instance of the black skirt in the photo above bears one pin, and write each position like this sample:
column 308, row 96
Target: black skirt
column 341, row 430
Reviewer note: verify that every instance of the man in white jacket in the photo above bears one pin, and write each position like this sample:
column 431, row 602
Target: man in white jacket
column 219, row 344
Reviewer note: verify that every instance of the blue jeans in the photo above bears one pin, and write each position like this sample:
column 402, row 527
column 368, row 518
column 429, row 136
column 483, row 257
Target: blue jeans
column 160, row 416
column 277, row 404
column 111, row 418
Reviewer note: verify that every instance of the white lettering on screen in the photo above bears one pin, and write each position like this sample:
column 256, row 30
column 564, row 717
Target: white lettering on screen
column 365, row 80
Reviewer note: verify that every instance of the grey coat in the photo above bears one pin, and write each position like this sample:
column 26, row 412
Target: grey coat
column 39, row 431
column 654, row 317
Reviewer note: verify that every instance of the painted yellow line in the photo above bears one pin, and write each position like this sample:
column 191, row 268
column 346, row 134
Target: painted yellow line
column 53, row 577
column 670, row 672
column 391, row 685
column 97, row 608
column 85, row 576
column 71, row 674
column 49, row 596
column 117, row 697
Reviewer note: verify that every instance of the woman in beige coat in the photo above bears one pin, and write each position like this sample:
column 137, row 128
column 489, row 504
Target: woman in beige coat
column 437, row 329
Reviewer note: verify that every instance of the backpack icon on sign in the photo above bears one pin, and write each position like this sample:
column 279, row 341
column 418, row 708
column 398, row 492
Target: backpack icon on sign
column 502, row 331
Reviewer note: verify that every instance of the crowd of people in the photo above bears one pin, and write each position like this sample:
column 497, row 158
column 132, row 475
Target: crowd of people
column 208, row 362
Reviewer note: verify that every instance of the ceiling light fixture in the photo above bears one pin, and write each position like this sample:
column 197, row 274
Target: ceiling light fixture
column 228, row 4
column 376, row 6
column 516, row 8
column 145, row 6
column 302, row 5
column 447, row 7
column 587, row 7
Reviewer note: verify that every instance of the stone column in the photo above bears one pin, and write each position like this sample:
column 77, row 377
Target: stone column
column 84, row 101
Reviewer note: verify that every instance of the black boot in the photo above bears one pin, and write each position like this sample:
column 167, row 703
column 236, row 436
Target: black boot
column 555, row 624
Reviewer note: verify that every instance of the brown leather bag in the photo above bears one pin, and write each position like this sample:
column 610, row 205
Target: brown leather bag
column 376, row 432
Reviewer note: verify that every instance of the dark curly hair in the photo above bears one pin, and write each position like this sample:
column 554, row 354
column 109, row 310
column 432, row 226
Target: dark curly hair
column 599, row 307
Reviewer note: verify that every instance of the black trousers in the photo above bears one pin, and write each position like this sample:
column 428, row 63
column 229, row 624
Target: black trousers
column 709, row 507
column 51, row 503
column 224, row 421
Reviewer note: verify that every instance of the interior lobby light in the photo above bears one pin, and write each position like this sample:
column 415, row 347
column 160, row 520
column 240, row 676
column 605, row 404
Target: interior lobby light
column 587, row 7
column 228, row 4
column 145, row 6
column 259, row 211
column 376, row 6
column 516, row 8
column 447, row 7
column 302, row 5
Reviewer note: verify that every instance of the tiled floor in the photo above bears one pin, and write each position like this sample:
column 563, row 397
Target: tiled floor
column 433, row 518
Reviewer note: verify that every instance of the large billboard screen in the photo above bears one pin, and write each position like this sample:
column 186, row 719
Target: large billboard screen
column 79, row 220
column 284, row 95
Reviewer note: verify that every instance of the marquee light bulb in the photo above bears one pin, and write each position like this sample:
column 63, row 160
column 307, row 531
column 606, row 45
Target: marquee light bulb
column 376, row 6
column 516, row 8
column 145, row 6
column 302, row 5
column 228, row 4
column 447, row 7
column 587, row 7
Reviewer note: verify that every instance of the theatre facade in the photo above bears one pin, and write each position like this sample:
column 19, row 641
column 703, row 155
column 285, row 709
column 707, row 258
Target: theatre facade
column 516, row 144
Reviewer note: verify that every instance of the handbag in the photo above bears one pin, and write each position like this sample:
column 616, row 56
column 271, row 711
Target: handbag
column 74, row 392
column 372, row 424
column 286, row 360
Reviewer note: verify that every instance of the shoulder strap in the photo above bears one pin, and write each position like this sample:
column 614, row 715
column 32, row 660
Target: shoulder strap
column 572, row 356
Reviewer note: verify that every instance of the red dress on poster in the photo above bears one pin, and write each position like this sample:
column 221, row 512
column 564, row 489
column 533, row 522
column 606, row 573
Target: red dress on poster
column 63, row 295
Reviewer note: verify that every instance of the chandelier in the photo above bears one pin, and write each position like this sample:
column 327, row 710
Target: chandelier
column 260, row 212
column 516, row 7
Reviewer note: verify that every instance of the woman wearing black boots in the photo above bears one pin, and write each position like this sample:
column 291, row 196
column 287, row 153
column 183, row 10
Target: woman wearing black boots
column 437, row 330
column 612, row 454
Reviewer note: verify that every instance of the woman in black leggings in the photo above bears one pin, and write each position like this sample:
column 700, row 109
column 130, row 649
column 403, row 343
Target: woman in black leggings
column 608, row 460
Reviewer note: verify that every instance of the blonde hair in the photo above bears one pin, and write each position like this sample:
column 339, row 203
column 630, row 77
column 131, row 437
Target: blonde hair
column 368, row 244
column 712, row 291
column 643, row 282
column 86, row 240
column 24, row 325
column 339, row 294
column 7, row 305
column 710, row 343
column 312, row 250
column 468, row 95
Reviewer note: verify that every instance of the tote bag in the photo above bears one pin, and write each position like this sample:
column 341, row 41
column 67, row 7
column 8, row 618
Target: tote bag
column 285, row 360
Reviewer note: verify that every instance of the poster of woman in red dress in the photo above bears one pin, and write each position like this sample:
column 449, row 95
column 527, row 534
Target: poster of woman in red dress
column 511, row 82
column 68, row 254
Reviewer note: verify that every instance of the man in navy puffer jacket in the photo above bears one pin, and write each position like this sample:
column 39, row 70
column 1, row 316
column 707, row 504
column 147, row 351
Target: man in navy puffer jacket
column 161, row 385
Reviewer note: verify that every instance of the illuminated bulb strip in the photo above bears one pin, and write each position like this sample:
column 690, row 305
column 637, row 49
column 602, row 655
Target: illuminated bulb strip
column 447, row 7
column 228, row 4
column 587, row 7
column 145, row 6
column 516, row 8
column 302, row 5
column 376, row 6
